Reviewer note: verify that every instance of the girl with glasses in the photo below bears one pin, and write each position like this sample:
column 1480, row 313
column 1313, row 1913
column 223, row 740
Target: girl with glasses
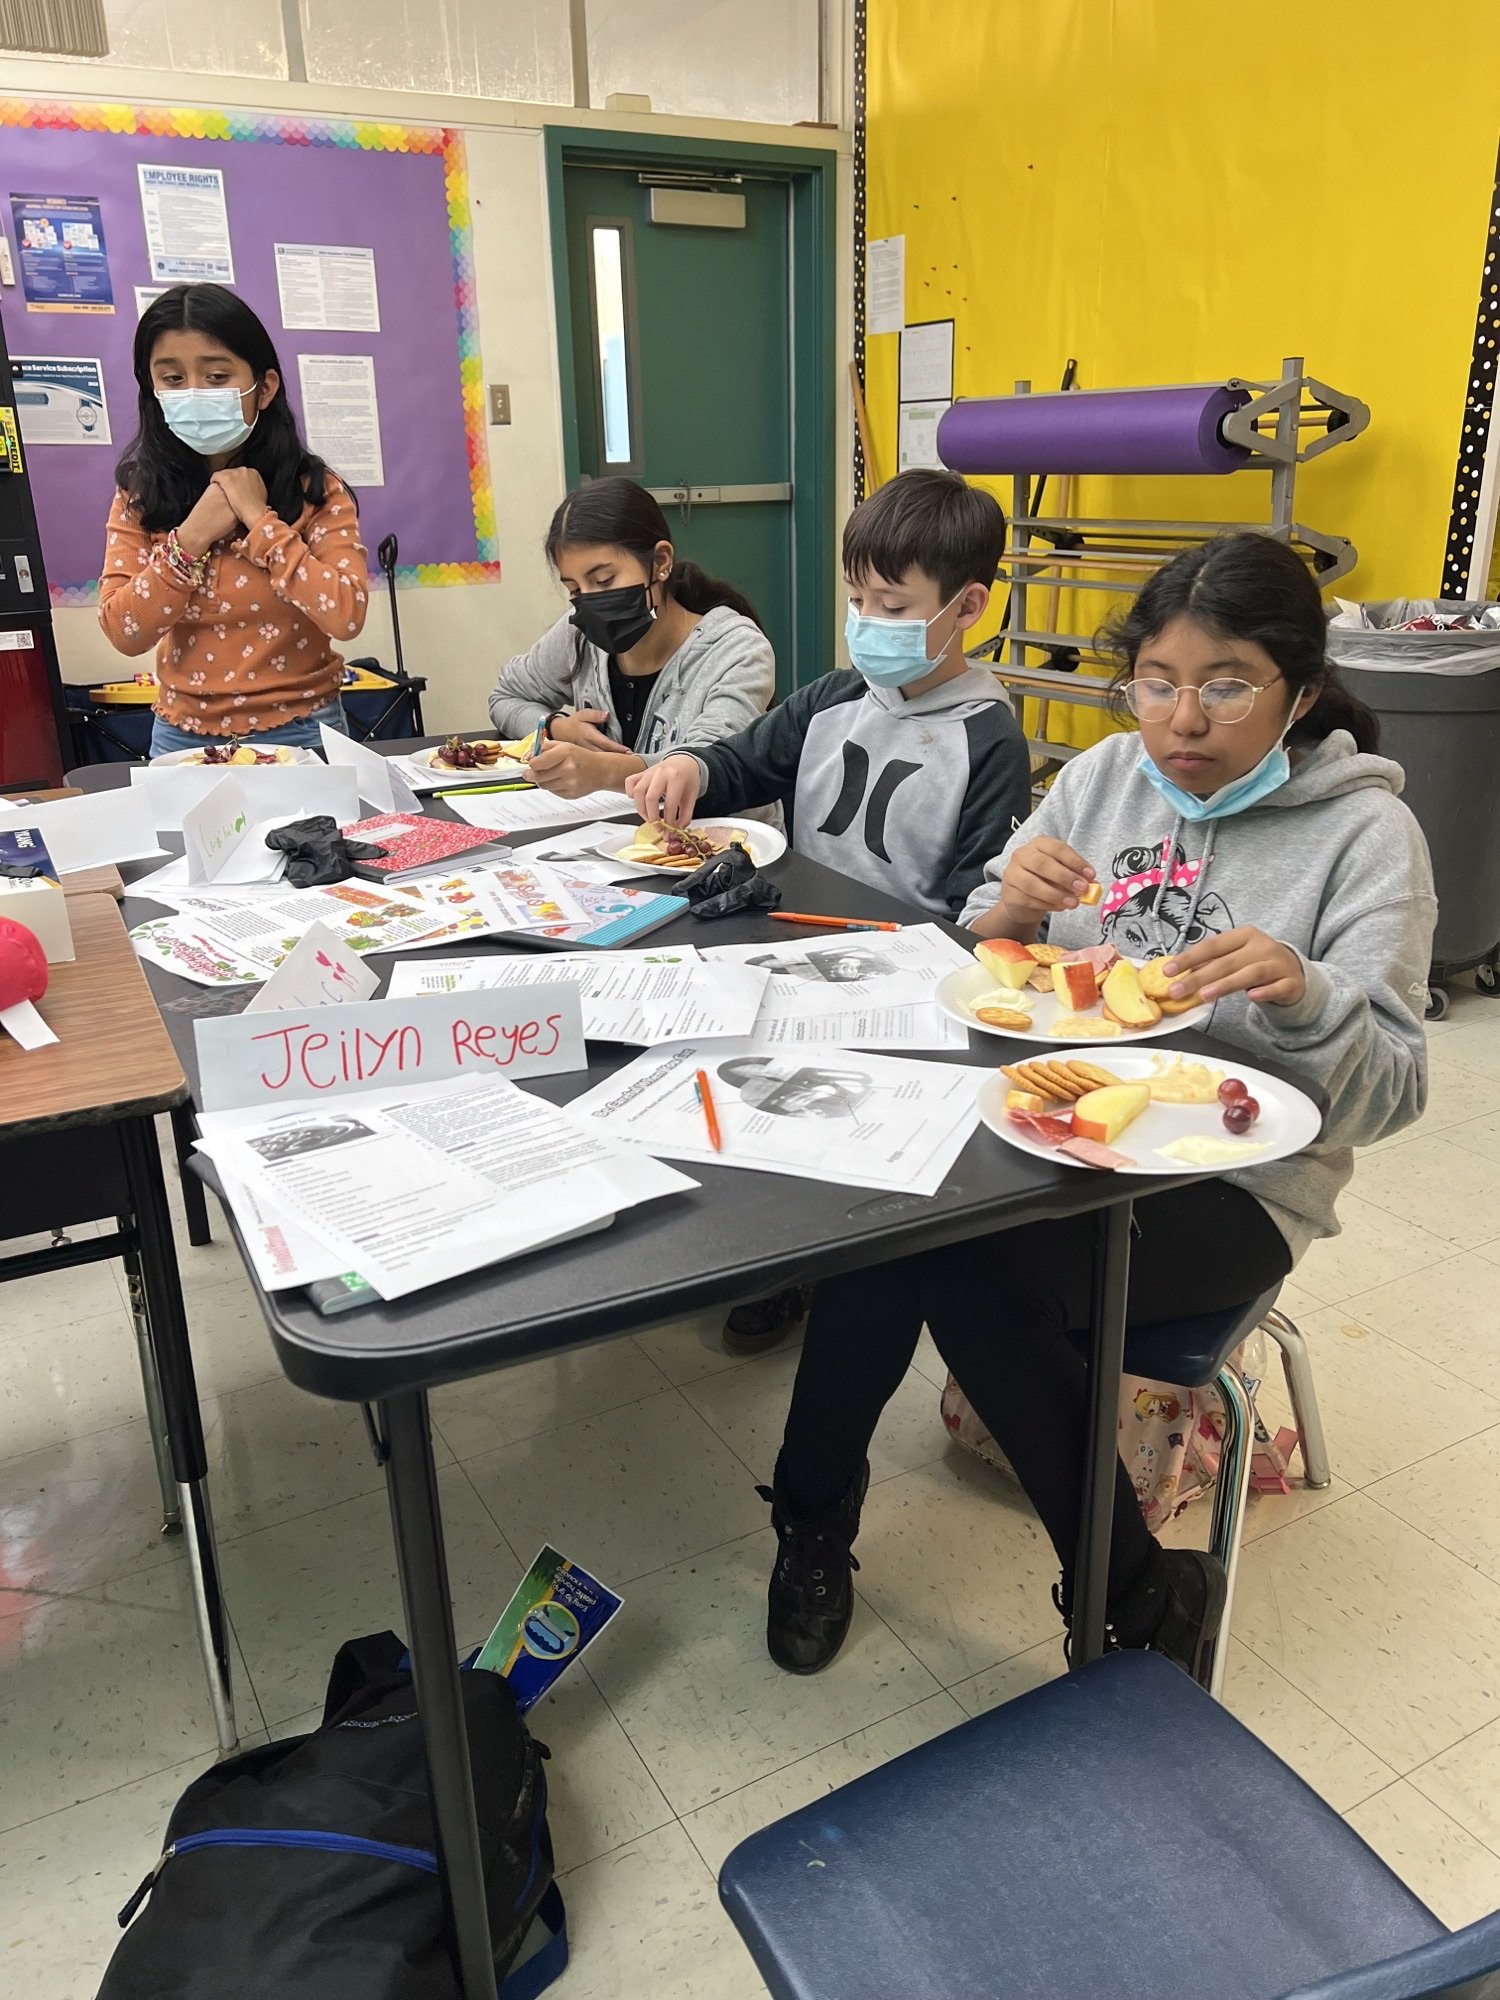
column 1250, row 836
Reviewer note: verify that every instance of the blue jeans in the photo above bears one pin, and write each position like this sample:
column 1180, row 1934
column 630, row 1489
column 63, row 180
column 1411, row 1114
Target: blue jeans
column 303, row 733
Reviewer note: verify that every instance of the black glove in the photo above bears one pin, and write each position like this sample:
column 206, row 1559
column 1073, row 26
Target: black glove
column 316, row 852
column 727, row 884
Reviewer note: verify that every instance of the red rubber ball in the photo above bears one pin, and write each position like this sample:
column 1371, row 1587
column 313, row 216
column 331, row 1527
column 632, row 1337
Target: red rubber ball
column 23, row 964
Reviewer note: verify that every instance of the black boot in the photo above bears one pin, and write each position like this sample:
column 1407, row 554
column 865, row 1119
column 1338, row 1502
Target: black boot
column 1175, row 1608
column 811, row 1599
column 764, row 1323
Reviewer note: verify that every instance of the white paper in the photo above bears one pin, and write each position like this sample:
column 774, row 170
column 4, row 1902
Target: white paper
column 25, row 1025
column 327, row 287
column 276, row 1058
column 530, row 1172
column 640, row 996
column 817, row 975
column 916, row 435
column 147, row 295
column 912, row 1028
column 214, row 831
column 341, row 416
column 187, row 224
column 228, row 936
column 510, row 895
column 927, row 362
column 380, row 784
column 517, row 812
column 282, row 1252
column 94, row 831
column 319, row 971
column 885, row 284
column 859, row 1120
column 61, row 399
column 298, row 790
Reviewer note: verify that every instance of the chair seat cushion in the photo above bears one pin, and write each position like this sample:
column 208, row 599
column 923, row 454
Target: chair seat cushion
column 1192, row 1351
column 1116, row 1832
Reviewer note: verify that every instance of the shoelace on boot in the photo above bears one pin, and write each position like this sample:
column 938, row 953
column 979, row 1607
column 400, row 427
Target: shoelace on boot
column 797, row 1566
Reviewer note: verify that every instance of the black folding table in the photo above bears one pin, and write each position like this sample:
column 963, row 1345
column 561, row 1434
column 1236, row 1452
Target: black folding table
column 738, row 1236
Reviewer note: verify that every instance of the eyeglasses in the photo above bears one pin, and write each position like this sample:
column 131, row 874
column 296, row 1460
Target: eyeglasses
column 1221, row 701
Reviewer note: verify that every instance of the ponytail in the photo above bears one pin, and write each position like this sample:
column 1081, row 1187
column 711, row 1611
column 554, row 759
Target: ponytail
column 698, row 592
column 622, row 515
column 1336, row 708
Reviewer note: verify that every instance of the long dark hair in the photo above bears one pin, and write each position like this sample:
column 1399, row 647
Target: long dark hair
column 623, row 515
column 163, row 477
column 1247, row 586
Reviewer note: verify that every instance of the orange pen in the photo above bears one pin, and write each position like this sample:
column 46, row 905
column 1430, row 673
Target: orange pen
column 710, row 1115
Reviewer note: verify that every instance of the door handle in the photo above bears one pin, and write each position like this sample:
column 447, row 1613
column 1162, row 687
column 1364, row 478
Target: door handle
column 688, row 497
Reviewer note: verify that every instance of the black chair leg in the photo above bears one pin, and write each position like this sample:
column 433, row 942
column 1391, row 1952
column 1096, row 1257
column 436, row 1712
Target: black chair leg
column 194, row 1197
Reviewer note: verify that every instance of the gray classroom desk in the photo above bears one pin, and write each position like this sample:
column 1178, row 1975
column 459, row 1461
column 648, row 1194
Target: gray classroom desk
column 738, row 1236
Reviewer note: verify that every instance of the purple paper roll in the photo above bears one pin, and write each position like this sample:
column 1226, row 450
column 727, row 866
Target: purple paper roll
column 1107, row 430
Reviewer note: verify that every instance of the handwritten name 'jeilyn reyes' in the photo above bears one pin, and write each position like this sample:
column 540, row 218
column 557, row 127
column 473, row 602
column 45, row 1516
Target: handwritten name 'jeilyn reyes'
column 319, row 1058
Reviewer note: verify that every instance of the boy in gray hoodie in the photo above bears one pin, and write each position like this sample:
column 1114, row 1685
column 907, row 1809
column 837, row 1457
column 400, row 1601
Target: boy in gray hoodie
column 1250, row 839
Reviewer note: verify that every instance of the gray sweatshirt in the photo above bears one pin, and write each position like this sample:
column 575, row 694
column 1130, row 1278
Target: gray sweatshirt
column 719, row 680
column 1333, row 865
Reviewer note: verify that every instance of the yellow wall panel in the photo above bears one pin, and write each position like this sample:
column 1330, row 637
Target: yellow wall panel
column 1175, row 190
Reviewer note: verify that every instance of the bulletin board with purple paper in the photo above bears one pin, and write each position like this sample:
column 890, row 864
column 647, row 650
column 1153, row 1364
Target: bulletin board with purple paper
column 369, row 301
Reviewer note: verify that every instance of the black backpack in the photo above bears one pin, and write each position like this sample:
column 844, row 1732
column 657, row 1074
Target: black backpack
column 305, row 1870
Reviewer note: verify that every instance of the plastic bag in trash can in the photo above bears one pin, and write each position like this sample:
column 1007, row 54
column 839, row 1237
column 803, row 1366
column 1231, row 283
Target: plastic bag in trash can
column 1364, row 635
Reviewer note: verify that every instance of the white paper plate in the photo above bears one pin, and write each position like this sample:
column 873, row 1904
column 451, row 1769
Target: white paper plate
column 502, row 768
column 971, row 985
column 193, row 757
column 766, row 843
column 1288, row 1121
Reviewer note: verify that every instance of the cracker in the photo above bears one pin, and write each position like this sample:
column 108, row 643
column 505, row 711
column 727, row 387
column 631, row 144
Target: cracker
column 1004, row 1017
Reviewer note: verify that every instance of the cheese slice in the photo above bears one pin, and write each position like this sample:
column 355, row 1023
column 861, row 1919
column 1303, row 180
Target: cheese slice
column 1204, row 1149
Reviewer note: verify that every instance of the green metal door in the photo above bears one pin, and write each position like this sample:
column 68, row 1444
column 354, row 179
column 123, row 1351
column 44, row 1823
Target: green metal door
column 682, row 359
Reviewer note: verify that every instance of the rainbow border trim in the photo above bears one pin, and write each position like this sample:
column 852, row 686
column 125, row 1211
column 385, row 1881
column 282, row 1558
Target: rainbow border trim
column 367, row 136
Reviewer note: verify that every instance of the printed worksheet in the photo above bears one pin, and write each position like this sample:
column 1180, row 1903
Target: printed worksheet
column 854, row 989
column 639, row 996
column 861, row 1120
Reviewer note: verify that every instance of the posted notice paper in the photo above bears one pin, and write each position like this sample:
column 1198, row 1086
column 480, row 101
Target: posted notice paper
column 411, row 1187
column 916, row 434
column 627, row 996
column 340, row 414
column 60, row 399
column 861, row 1120
column 327, row 287
column 187, row 224
column 885, row 284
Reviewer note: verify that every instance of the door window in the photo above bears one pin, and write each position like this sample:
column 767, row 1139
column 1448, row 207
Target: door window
column 614, row 345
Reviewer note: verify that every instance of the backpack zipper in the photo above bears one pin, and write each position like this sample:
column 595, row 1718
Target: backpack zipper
column 252, row 1836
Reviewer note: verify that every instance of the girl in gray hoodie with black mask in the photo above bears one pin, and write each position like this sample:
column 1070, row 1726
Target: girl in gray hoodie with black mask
column 1249, row 836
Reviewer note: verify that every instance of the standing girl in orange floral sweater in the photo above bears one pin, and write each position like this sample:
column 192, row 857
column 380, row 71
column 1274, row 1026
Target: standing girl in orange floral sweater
column 231, row 549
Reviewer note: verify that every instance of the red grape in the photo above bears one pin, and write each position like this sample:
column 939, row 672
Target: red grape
column 1238, row 1117
column 1230, row 1089
column 1251, row 1105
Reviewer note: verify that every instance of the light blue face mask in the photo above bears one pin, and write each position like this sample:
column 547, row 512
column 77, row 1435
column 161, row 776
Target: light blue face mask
column 1268, row 776
column 892, row 652
column 207, row 421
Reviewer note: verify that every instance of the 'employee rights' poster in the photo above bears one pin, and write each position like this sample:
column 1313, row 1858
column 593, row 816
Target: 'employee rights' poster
column 64, row 267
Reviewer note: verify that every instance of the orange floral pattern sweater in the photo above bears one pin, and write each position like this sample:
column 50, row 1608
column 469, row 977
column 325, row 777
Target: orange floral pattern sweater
column 250, row 648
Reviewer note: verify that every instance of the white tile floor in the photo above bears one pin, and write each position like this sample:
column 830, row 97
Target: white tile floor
column 1367, row 1634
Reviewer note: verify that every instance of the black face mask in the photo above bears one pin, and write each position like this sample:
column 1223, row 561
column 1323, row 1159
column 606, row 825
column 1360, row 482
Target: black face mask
column 614, row 620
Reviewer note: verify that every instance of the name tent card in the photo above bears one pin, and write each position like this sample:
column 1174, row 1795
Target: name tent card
column 273, row 1058
column 319, row 971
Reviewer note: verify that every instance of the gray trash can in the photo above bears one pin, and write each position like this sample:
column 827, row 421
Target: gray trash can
column 1441, row 724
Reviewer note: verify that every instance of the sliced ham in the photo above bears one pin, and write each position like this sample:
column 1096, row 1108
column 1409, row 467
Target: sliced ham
column 1092, row 1154
column 1100, row 956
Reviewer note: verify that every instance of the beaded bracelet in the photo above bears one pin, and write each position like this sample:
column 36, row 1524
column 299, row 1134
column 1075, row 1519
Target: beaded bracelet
column 186, row 569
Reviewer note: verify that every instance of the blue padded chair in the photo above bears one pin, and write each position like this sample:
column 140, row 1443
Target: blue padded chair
column 1194, row 1353
column 1048, row 1851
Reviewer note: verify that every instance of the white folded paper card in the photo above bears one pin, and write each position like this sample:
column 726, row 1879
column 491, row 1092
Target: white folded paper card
column 92, row 831
column 270, row 789
column 265, row 1058
column 380, row 784
column 319, row 971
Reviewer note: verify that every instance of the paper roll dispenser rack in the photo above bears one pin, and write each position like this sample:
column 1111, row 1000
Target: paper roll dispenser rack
column 1201, row 429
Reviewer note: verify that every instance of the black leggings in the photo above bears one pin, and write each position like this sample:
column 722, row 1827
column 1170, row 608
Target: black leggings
column 1000, row 1309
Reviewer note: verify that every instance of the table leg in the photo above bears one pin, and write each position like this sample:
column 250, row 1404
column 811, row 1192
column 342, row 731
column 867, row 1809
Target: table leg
column 194, row 1199
column 422, row 1566
column 1106, row 1364
column 156, row 1415
column 167, row 1321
